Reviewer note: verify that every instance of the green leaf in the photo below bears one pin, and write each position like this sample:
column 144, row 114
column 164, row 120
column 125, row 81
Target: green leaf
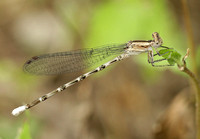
column 25, row 132
column 173, row 57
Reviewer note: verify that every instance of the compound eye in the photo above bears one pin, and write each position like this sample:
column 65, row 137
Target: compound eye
column 157, row 35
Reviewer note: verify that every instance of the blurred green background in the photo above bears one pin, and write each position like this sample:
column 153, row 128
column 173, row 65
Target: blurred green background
column 125, row 100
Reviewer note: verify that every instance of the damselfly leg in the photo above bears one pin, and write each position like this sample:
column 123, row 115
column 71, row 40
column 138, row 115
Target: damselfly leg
column 151, row 57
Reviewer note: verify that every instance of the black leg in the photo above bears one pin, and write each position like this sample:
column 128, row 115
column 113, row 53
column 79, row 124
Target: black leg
column 166, row 47
column 152, row 63
column 159, row 60
column 162, row 65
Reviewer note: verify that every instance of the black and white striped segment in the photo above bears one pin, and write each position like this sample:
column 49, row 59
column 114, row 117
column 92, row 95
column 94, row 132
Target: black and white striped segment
column 21, row 109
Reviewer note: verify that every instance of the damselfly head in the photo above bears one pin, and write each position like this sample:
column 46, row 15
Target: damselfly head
column 157, row 40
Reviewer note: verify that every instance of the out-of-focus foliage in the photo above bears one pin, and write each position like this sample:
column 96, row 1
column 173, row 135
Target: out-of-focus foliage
column 29, row 28
column 121, row 21
column 25, row 132
column 198, row 57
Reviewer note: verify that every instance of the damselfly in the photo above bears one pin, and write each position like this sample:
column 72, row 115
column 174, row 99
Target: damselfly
column 64, row 62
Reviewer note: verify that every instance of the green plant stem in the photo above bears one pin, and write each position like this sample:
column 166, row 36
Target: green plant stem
column 184, row 69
